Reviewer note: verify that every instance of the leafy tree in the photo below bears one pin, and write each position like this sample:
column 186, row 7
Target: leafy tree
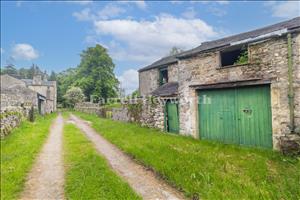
column 175, row 50
column 74, row 95
column 64, row 80
column 95, row 74
column 10, row 70
column 22, row 73
column 52, row 76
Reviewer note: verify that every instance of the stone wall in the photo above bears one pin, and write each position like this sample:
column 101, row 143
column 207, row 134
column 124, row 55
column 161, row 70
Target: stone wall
column 148, row 81
column 11, row 118
column 146, row 112
column 267, row 60
column 173, row 72
column 17, row 96
column 152, row 114
column 120, row 114
column 87, row 107
column 296, row 64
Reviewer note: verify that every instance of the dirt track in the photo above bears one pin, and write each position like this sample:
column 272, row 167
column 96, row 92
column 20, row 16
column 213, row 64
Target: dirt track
column 143, row 181
column 46, row 179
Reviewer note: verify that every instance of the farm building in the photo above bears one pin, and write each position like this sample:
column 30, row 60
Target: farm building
column 46, row 88
column 242, row 89
column 38, row 93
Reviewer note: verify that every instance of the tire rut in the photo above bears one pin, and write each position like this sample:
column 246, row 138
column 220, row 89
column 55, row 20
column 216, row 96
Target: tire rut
column 143, row 181
column 46, row 178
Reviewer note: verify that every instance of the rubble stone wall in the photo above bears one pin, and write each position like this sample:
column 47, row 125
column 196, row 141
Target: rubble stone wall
column 267, row 60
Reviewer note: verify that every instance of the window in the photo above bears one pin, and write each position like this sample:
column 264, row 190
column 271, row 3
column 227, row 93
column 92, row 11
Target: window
column 236, row 55
column 163, row 76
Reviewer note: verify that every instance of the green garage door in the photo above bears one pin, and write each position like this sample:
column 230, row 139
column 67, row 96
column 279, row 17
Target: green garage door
column 171, row 117
column 236, row 115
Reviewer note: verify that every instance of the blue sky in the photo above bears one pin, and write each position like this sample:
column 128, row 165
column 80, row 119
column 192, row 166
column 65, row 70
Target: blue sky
column 52, row 34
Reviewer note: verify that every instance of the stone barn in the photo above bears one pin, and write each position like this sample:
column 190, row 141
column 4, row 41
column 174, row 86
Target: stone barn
column 45, row 88
column 243, row 89
column 26, row 93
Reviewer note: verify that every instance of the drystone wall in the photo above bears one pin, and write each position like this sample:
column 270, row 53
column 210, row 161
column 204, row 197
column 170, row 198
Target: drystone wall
column 11, row 118
column 147, row 112
column 120, row 114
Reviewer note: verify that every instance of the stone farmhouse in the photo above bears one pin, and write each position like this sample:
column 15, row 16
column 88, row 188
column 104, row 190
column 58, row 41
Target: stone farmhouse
column 242, row 89
column 38, row 92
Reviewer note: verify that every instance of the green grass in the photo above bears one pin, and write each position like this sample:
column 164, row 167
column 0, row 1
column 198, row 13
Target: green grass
column 18, row 152
column 204, row 169
column 88, row 175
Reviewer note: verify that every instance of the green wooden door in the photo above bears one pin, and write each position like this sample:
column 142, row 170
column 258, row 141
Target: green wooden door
column 236, row 115
column 217, row 109
column 254, row 116
column 172, row 117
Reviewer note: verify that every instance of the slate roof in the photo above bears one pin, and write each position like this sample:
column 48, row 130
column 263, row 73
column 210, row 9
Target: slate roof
column 265, row 32
column 227, row 41
column 168, row 89
column 161, row 62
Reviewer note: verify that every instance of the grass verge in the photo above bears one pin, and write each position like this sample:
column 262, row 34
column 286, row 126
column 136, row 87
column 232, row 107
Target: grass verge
column 203, row 169
column 18, row 152
column 88, row 175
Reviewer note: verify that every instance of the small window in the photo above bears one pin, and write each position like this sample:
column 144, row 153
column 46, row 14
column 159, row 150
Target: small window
column 163, row 76
column 237, row 55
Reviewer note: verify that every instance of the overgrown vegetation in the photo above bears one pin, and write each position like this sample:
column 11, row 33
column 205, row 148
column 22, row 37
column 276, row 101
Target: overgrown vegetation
column 88, row 176
column 243, row 58
column 18, row 152
column 135, row 110
column 203, row 169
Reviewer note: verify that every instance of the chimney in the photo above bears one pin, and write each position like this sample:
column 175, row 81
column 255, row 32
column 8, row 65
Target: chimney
column 37, row 79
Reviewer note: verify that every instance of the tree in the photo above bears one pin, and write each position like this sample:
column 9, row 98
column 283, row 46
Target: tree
column 74, row 95
column 175, row 50
column 52, row 76
column 95, row 74
column 64, row 80
column 10, row 70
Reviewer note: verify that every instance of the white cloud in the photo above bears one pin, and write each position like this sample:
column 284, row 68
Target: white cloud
column 110, row 11
column 286, row 9
column 189, row 13
column 24, row 52
column 84, row 15
column 147, row 40
column 129, row 80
